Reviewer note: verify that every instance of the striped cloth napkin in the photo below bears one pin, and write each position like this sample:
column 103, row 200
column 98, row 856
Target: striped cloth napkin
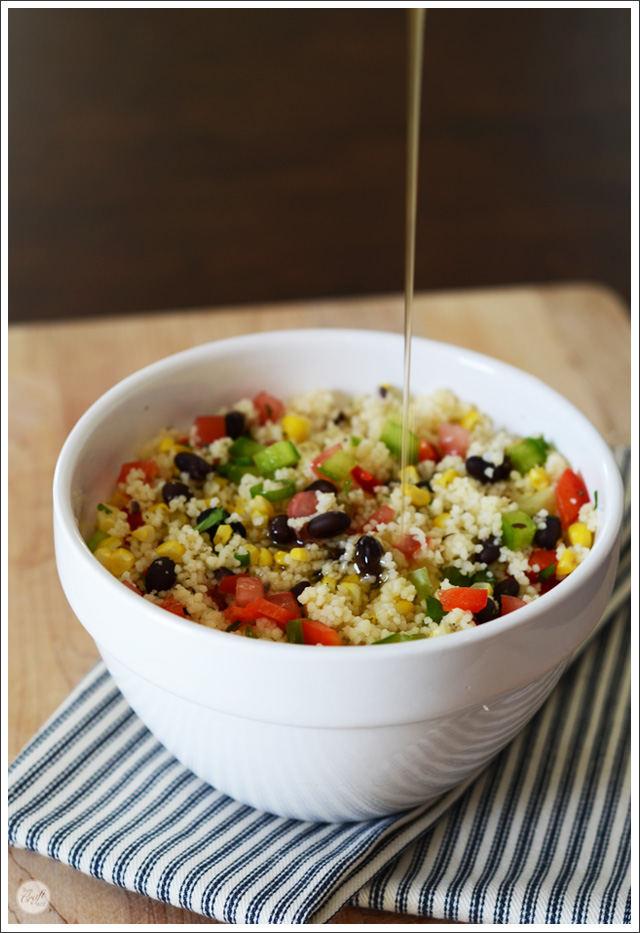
column 542, row 836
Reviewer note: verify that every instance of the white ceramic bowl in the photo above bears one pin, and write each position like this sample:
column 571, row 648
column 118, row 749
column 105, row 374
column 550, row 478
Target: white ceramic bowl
column 316, row 733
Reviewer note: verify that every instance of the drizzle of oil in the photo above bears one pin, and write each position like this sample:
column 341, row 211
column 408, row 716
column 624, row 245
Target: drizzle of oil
column 416, row 19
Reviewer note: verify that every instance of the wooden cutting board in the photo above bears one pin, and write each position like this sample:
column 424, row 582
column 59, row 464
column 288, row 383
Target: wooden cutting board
column 576, row 337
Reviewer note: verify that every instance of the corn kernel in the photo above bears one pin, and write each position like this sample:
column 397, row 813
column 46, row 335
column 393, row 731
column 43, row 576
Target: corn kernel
column 222, row 481
column 181, row 448
column 266, row 558
column 280, row 557
column 299, row 553
column 172, row 549
column 159, row 507
column 580, row 534
column 440, row 521
column 104, row 555
column 111, row 543
column 165, row 446
column 352, row 590
column 417, row 495
column 566, row 563
column 121, row 560
column 144, row 533
column 443, row 479
column 259, row 506
column 404, row 607
column 295, row 428
column 222, row 535
column 119, row 499
column 351, row 578
column 239, row 505
column 330, row 583
column 470, row 420
column 410, row 475
column 538, row 477
column 106, row 517
column 483, row 586
column 254, row 554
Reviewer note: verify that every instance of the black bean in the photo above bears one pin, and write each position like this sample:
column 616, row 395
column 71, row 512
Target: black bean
column 221, row 573
column 329, row 524
column 160, row 575
column 480, row 469
column 280, row 532
column 425, row 484
column 133, row 508
column 195, row 466
column 490, row 611
column 340, row 417
column 547, row 535
column 234, row 424
column 300, row 587
column 368, row 555
column 507, row 587
column 382, row 391
column 320, row 485
column 490, row 551
column 173, row 490
column 502, row 470
column 239, row 528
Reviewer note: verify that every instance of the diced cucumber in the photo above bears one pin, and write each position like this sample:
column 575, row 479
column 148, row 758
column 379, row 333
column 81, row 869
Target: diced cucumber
column 392, row 437
column 245, row 447
column 278, row 455
column 540, row 499
column 397, row 637
column 338, row 466
column 518, row 530
column 421, row 581
column 530, row 452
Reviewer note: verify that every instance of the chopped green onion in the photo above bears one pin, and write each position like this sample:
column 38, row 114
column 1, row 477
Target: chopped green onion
column 548, row 571
column 355, row 440
column 434, row 609
column 347, row 486
column 103, row 508
column 294, row 632
column 96, row 538
column 233, row 626
column 243, row 558
column 213, row 518
column 249, row 632
column 421, row 581
column 392, row 437
column 518, row 530
column 278, row 455
column 530, row 452
column 595, row 499
column 398, row 637
column 286, row 491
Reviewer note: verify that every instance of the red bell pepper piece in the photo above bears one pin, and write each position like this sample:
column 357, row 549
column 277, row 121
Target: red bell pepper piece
column 172, row 605
column 539, row 561
column 317, row 633
column 269, row 407
column 229, row 584
column 260, row 608
column 408, row 546
column 286, row 601
column 427, row 451
column 365, row 480
column 148, row 467
column 209, row 428
column 571, row 495
column 463, row 597
column 510, row 604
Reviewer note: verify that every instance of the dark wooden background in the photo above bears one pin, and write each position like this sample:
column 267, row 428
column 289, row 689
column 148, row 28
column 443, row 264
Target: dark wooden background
column 177, row 158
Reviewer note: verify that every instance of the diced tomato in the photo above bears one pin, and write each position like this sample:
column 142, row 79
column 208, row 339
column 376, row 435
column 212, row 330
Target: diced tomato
column 541, row 560
column 317, row 633
column 427, row 451
column 229, row 584
column 453, row 439
column 172, row 605
column 302, row 504
column 381, row 516
column 547, row 585
column 286, row 601
column 571, row 495
column 463, row 597
column 268, row 407
column 319, row 460
column 510, row 604
column 407, row 545
column 132, row 586
column 365, row 480
column 261, row 607
column 247, row 589
column 148, row 467
column 209, row 428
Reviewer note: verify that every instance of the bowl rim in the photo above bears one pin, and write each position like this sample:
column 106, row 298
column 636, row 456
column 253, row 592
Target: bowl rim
column 605, row 539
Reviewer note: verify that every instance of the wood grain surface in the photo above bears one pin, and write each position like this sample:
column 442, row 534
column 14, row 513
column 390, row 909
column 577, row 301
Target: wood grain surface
column 575, row 337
